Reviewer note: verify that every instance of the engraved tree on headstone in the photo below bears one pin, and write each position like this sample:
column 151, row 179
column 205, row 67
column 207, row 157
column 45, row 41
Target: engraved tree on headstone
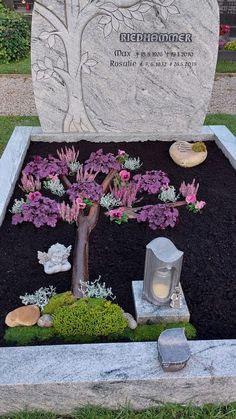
column 76, row 62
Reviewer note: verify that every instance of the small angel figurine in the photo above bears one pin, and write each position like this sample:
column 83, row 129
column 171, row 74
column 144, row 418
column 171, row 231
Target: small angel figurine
column 55, row 260
column 176, row 298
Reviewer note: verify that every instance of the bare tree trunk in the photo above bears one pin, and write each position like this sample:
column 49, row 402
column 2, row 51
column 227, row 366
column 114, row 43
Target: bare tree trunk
column 86, row 225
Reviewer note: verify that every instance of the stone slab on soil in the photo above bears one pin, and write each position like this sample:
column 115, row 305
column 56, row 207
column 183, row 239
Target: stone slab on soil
column 113, row 375
column 226, row 141
column 124, row 65
column 10, row 164
column 147, row 313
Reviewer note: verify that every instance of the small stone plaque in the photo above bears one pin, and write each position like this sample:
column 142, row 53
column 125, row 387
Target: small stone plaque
column 147, row 313
column 123, row 65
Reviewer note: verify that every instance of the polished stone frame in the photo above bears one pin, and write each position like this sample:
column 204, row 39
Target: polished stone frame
column 64, row 377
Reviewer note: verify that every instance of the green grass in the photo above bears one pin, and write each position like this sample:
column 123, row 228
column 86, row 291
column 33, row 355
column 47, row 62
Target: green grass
column 222, row 119
column 226, row 66
column 8, row 123
column 16, row 67
column 23, row 67
column 143, row 333
column 167, row 411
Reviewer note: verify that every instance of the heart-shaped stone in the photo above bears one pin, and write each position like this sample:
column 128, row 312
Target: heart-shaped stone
column 184, row 155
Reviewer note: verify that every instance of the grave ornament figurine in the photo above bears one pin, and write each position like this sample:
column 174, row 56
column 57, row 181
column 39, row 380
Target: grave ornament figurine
column 176, row 298
column 56, row 259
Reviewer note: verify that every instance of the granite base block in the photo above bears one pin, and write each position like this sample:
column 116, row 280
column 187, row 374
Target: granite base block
column 64, row 377
column 148, row 313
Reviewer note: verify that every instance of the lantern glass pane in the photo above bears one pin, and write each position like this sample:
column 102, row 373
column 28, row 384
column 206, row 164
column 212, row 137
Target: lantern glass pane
column 161, row 283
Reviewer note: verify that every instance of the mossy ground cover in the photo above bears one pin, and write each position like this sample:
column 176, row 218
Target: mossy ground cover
column 8, row 123
column 167, row 411
column 143, row 333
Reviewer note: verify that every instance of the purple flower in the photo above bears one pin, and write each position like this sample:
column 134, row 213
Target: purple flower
column 45, row 167
column 158, row 216
column 89, row 190
column 99, row 162
column 40, row 211
column 151, row 182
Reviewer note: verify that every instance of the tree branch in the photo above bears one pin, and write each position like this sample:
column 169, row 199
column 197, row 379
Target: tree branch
column 50, row 17
column 65, row 181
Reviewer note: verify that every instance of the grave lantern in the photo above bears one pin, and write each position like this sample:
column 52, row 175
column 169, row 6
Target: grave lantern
column 163, row 265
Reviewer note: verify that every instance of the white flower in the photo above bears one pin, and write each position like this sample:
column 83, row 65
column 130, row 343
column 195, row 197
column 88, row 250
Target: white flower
column 132, row 163
column 108, row 201
column 168, row 194
column 55, row 186
column 16, row 208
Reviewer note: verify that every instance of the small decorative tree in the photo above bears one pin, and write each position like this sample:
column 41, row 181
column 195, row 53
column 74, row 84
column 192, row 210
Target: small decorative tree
column 118, row 192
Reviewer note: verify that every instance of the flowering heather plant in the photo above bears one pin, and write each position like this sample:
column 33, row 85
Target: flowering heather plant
column 71, row 214
column 69, row 154
column 85, row 175
column 99, row 162
column 89, row 190
column 71, row 157
column 126, row 194
column 29, row 183
column 158, row 216
column 152, row 181
column 44, row 167
column 39, row 210
column 189, row 189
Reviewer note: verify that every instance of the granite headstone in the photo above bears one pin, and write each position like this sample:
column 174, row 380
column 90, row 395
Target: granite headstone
column 124, row 65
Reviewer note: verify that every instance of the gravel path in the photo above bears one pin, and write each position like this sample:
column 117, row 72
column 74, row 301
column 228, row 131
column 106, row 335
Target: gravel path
column 16, row 95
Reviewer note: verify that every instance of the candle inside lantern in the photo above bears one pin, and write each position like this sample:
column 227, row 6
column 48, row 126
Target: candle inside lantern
column 161, row 283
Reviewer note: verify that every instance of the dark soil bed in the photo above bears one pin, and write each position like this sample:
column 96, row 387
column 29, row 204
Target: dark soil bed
column 117, row 253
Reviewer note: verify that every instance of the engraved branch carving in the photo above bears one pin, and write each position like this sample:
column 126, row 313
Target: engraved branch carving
column 70, row 66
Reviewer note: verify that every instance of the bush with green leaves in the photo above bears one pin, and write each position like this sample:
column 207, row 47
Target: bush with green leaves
column 89, row 316
column 59, row 300
column 230, row 46
column 14, row 36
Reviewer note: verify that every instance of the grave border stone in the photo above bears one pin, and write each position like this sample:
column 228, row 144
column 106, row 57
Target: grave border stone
column 111, row 374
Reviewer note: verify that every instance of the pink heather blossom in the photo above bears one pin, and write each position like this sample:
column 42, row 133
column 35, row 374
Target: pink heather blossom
column 121, row 153
column 116, row 213
column 34, row 196
column 200, row 204
column 80, row 203
column 189, row 189
column 125, row 175
column 69, row 214
column 69, row 154
column 29, row 184
column 191, row 199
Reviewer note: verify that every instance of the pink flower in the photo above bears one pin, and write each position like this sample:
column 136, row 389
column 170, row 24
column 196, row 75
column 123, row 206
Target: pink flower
column 189, row 189
column 191, row 199
column 200, row 204
column 125, row 175
column 121, row 153
column 116, row 213
column 34, row 196
column 80, row 203
column 53, row 178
